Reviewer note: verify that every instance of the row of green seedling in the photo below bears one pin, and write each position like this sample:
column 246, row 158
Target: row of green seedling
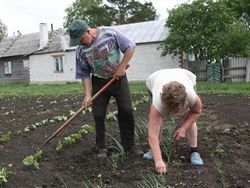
column 61, row 118
column 33, row 160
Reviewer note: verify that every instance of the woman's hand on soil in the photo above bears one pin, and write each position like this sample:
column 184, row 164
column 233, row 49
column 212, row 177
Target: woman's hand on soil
column 160, row 166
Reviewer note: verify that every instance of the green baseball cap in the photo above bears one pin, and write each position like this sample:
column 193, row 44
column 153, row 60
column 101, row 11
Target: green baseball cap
column 76, row 29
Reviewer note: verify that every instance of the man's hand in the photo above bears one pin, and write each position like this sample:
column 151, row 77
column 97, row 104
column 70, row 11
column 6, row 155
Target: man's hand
column 160, row 166
column 179, row 133
column 121, row 71
column 86, row 101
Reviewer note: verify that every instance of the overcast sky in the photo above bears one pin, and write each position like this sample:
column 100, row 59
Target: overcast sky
column 25, row 15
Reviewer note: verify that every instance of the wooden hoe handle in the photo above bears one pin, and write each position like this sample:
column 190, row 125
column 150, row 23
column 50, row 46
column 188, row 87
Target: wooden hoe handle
column 78, row 112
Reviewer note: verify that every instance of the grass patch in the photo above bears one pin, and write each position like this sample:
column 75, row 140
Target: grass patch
column 21, row 89
column 16, row 89
column 224, row 88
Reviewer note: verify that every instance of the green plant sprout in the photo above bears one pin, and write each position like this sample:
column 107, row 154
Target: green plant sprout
column 97, row 183
column 89, row 109
column 118, row 155
column 71, row 112
column 135, row 104
column 33, row 160
column 35, row 125
column 6, row 137
column 145, row 98
column 75, row 137
column 153, row 181
column 112, row 115
column 220, row 149
column 61, row 118
column 166, row 144
column 4, row 175
column 219, row 169
column 141, row 129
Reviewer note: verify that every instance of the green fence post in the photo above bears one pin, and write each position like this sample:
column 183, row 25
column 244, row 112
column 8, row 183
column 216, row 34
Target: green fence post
column 214, row 72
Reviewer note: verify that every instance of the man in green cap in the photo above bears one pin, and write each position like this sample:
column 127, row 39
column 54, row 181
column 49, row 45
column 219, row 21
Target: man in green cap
column 98, row 59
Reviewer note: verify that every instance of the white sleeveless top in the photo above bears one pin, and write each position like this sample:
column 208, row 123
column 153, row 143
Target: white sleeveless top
column 158, row 79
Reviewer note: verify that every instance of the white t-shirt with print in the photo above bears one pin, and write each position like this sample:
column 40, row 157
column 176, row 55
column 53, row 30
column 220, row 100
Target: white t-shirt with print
column 158, row 79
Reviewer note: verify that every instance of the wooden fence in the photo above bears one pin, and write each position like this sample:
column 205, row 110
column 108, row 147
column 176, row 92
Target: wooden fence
column 232, row 70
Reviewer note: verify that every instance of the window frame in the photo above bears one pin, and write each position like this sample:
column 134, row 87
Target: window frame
column 58, row 61
column 7, row 68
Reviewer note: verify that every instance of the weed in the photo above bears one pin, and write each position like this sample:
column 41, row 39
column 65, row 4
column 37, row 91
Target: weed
column 220, row 149
column 118, row 155
column 220, row 171
column 205, row 126
column 61, row 179
column 153, row 181
column 176, row 164
column 166, row 144
column 97, row 183
column 141, row 129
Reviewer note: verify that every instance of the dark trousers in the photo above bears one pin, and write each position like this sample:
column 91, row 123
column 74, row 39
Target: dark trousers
column 120, row 91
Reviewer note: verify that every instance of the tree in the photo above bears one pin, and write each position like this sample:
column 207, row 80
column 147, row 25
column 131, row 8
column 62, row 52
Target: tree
column 3, row 30
column 239, row 7
column 97, row 13
column 131, row 11
column 238, row 40
column 92, row 11
column 208, row 30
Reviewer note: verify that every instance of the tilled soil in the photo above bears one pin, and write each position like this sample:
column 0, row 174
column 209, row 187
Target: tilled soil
column 224, row 143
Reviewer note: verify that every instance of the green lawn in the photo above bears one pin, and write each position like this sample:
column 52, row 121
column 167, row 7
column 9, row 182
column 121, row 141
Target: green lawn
column 135, row 87
column 224, row 88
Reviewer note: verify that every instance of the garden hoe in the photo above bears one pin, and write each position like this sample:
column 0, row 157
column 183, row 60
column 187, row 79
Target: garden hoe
column 79, row 111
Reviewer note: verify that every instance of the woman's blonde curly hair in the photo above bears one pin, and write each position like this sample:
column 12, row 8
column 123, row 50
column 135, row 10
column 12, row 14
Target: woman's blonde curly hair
column 173, row 97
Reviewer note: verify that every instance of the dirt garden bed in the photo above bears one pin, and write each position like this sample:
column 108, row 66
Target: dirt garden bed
column 224, row 142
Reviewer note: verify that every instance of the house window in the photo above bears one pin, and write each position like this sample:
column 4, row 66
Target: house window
column 58, row 63
column 7, row 67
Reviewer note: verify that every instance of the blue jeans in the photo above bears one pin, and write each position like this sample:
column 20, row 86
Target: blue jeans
column 120, row 91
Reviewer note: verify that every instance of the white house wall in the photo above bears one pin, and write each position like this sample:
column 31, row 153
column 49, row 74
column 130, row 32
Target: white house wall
column 42, row 68
column 146, row 60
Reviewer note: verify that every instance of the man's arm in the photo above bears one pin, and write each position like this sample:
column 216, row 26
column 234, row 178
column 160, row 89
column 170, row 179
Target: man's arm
column 124, row 63
column 87, row 86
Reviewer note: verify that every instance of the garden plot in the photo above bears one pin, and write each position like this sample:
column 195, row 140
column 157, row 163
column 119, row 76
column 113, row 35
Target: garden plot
column 69, row 160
